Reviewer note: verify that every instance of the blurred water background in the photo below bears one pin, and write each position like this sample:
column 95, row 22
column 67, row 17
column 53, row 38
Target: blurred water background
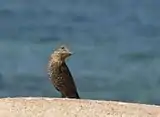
column 116, row 45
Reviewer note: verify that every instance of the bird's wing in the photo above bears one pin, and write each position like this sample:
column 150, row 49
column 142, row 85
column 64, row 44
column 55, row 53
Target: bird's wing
column 68, row 77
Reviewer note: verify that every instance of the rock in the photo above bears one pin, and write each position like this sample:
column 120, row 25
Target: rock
column 60, row 107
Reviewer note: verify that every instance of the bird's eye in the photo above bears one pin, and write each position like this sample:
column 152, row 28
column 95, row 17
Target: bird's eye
column 62, row 47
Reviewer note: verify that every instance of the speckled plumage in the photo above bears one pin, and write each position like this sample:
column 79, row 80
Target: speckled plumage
column 60, row 75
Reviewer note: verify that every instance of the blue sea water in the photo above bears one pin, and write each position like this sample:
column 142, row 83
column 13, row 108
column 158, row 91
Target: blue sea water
column 116, row 46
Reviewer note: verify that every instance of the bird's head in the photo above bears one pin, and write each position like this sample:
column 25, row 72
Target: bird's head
column 61, row 53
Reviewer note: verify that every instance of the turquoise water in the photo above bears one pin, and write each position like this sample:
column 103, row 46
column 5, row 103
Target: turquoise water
column 116, row 45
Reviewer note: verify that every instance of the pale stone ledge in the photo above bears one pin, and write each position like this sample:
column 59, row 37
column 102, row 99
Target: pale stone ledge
column 58, row 107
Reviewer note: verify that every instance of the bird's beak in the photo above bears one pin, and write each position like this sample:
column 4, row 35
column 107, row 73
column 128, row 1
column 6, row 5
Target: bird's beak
column 71, row 53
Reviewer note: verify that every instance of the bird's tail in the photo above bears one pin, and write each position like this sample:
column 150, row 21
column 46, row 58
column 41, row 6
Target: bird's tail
column 77, row 96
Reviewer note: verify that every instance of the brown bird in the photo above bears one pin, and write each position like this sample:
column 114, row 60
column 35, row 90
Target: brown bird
column 60, row 75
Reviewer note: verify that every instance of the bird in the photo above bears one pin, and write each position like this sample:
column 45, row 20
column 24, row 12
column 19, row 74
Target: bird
column 59, row 73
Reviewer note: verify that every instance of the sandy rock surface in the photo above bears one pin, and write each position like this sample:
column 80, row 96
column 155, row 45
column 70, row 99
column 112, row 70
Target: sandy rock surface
column 56, row 107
